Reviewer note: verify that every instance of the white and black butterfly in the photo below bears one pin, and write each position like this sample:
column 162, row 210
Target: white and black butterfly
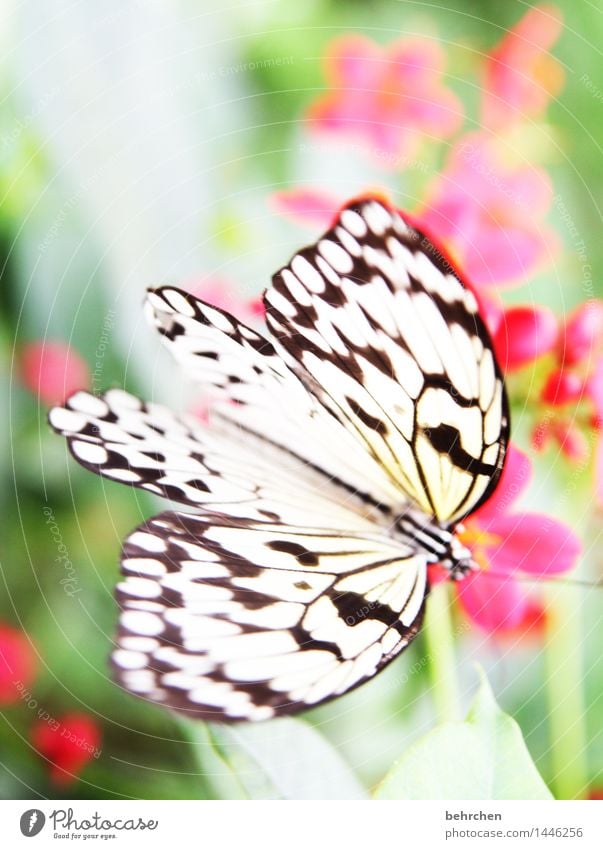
column 339, row 459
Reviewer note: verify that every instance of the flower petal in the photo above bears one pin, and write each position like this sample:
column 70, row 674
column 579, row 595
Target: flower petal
column 525, row 334
column 53, row 371
column 492, row 603
column 534, row 543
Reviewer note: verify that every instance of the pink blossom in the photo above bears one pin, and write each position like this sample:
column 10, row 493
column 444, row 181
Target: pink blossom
column 520, row 75
column 387, row 98
column 507, row 544
column 221, row 292
column 523, row 335
column 311, row 207
column 582, row 333
column 490, row 213
column 52, row 371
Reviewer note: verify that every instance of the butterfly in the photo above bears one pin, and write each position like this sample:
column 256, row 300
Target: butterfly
column 341, row 456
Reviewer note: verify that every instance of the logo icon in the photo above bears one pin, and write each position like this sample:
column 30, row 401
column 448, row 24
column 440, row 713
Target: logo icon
column 32, row 822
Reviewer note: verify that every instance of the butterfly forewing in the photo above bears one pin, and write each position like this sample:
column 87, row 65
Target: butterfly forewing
column 383, row 331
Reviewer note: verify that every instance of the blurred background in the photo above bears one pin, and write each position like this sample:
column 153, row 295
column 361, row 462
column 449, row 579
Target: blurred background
column 145, row 142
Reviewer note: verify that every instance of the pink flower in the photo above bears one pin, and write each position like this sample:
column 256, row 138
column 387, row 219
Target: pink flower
column 18, row 664
column 386, row 97
column 490, row 213
column 52, row 371
column 520, row 75
column 506, row 544
column 582, row 333
column 67, row 743
column 311, row 207
column 523, row 335
column 221, row 292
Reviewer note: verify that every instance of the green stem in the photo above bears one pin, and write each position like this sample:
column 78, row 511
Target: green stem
column 441, row 654
column 564, row 685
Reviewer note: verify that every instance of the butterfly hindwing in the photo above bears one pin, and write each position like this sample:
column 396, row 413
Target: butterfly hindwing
column 382, row 329
column 241, row 620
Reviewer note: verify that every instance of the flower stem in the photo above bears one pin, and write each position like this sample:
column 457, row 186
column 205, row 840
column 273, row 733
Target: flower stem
column 440, row 650
column 564, row 686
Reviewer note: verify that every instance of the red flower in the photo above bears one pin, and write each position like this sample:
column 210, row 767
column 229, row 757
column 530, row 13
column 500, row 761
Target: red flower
column 490, row 213
column 520, row 75
column 52, row 371
column 582, row 334
column 524, row 334
column 18, row 664
column 386, row 97
column 68, row 743
column 505, row 543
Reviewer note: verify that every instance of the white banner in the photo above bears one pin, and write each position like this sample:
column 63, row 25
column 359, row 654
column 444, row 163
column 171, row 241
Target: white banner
column 285, row 825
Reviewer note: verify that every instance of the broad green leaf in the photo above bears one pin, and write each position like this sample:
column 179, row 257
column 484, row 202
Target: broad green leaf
column 286, row 759
column 484, row 757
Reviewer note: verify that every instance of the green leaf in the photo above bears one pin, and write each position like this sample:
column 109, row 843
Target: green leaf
column 287, row 759
column 484, row 757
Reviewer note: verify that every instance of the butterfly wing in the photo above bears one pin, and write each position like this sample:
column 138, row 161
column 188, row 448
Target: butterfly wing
column 240, row 620
column 121, row 438
column 379, row 326
column 252, row 389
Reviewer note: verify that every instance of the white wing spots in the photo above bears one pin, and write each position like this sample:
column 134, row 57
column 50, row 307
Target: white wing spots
column 470, row 302
column 88, row 452
column 354, row 222
column 144, row 566
column 336, row 256
column 377, row 217
column 177, row 302
column 349, row 242
column 147, row 541
column 87, row 403
column 298, row 292
column 308, row 275
column 142, row 622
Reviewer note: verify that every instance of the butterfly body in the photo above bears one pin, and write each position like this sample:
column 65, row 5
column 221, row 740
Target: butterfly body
column 340, row 458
